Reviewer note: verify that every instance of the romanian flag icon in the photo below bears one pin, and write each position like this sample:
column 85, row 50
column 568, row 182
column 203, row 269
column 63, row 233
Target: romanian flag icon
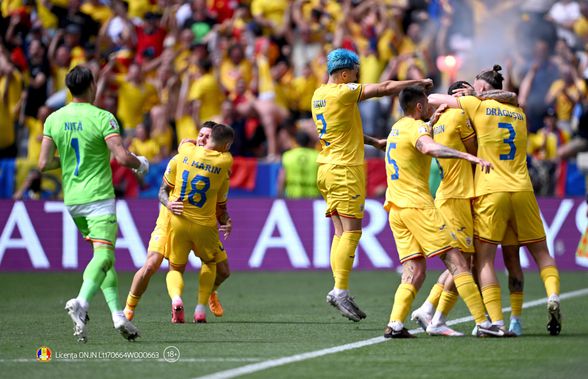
column 43, row 354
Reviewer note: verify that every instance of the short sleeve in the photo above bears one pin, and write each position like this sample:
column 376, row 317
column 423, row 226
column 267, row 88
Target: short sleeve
column 223, row 192
column 47, row 127
column 420, row 129
column 470, row 105
column 170, row 172
column 350, row 93
column 466, row 131
column 109, row 125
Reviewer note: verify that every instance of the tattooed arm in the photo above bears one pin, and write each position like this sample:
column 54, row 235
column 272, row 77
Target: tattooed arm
column 426, row 145
column 501, row 96
column 176, row 207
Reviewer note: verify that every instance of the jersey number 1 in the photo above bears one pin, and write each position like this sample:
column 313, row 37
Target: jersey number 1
column 75, row 144
column 195, row 190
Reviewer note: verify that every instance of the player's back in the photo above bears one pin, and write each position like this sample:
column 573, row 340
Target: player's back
column 457, row 179
column 79, row 131
column 502, row 140
column 407, row 169
column 201, row 180
column 336, row 116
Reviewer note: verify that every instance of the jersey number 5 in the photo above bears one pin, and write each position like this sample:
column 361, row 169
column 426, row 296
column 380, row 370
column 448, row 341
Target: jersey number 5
column 510, row 141
column 195, row 190
column 321, row 118
column 391, row 161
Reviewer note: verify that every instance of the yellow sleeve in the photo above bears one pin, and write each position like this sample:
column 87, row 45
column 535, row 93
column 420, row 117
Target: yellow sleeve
column 470, row 105
column 466, row 131
column 185, row 147
column 418, row 130
column 350, row 93
column 224, row 189
column 555, row 88
column 170, row 172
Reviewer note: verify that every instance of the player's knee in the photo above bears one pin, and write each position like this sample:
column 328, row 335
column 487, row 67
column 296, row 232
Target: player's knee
column 177, row 267
column 222, row 271
column 152, row 264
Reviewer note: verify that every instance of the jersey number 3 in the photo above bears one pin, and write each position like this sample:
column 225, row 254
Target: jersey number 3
column 321, row 118
column 510, row 141
column 195, row 190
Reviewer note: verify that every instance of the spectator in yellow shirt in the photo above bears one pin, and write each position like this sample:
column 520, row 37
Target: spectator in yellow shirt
column 11, row 86
column 206, row 94
column 142, row 144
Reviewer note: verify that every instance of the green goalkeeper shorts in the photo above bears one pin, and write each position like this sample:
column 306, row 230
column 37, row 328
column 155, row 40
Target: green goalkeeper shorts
column 101, row 229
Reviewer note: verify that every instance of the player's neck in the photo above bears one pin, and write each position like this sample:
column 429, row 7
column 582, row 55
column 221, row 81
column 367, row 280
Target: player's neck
column 81, row 100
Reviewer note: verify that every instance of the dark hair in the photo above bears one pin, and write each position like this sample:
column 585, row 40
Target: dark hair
column 302, row 138
column 208, row 124
column 222, row 134
column 410, row 96
column 457, row 85
column 78, row 80
column 205, row 65
column 492, row 77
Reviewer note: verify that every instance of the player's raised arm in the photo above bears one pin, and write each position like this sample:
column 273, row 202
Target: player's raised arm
column 124, row 156
column 427, row 145
column 379, row 144
column 391, row 87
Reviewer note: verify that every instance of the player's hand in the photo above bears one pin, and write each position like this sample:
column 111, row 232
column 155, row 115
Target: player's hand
column 437, row 113
column 380, row 144
column 427, row 83
column 227, row 228
column 468, row 91
column 176, row 207
column 485, row 165
column 143, row 168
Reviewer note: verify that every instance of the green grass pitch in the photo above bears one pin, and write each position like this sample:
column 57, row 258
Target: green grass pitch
column 274, row 315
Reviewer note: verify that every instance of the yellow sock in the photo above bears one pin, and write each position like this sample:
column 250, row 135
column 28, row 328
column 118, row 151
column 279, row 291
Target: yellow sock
column 493, row 302
column 447, row 302
column 334, row 245
column 516, row 304
column 468, row 291
column 435, row 294
column 402, row 302
column 175, row 283
column 132, row 301
column 206, row 281
column 550, row 277
column 344, row 257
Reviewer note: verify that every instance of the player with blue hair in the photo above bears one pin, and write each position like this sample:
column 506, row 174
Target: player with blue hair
column 341, row 174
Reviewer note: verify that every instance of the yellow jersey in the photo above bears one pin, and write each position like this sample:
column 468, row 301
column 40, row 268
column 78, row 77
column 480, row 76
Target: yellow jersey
column 10, row 91
column 502, row 141
column 200, row 178
column 134, row 101
column 407, row 169
column 457, row 177
column 207, row 90
column 35, row 127
column 336, row 116
column 148, row 148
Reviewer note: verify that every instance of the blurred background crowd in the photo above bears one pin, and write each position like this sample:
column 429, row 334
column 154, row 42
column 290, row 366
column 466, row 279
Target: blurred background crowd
column 165, row 66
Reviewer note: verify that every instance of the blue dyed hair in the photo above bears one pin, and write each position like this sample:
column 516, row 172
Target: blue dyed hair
column 341, row 58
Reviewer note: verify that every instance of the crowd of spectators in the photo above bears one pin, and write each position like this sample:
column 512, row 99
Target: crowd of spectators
column 164, row 66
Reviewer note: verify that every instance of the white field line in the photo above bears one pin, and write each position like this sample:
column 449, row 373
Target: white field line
column 182, row 360
column 256, row 367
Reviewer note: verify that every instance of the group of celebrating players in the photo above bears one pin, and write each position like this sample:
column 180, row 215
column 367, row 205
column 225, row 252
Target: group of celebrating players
column 474, row 209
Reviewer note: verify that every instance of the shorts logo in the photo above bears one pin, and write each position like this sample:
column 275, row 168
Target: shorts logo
column 468, row 241
column 461, row 229
column 221, row 247
column 442, row 227
column 354, row 197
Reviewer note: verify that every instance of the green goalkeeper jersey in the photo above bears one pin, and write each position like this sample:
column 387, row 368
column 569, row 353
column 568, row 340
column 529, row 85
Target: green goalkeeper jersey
column 80, row 130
